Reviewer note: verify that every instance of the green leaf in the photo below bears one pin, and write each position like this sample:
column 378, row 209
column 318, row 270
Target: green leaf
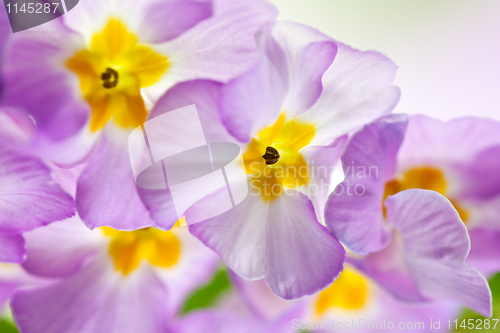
column 469, row 314
column 6, row 326
column 208, row 294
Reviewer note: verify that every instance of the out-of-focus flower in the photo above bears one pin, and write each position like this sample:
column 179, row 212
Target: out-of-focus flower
column 29, row 198
column 95, row 75
column 352, row 302
column 107, row 280
column 217, row 321
column 295, row 102
column 416, row 245
column 459, row 159
column 12, row 277
column 236, row 312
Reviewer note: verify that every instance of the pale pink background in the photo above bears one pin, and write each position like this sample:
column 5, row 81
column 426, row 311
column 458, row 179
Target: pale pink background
column 448, row 51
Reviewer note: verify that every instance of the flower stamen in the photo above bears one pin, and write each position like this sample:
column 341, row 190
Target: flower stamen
column 109, row 78
column 271, row 156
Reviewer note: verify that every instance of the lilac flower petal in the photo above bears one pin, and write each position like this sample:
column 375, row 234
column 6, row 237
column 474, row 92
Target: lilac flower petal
column 354, row 210
column 16, row 128
column 471, row 171
column 480, row 179
column 28, row 195
column 308, row 54
column 482, row 213
column 6, row 288
column 472, row 135
column 75, row 244
column 282, row 323
column 238, row 235
column 387, row 268
column 153, row 21
column 485, row 251
column 67, row 178
column 95, row 299
column 205, row 95
column 263, row 303
column 357, row 89
column 18, row 131
column 68, row 153
column 195, row 267
column 234, row 315
column 436, row 244
column 12, row 248
column 160, row 205
column 90, row 16
column 106, row 193
column 321, row 161
column 302, row 257
column 395, row 311
column 224, row 321
column 286, row 78
column 166, row 20
column 37, row 81
column 12, row 277
column 215, row 321
column 254, row 99
column 281, row 240
column 218, row 48
column 382, row 307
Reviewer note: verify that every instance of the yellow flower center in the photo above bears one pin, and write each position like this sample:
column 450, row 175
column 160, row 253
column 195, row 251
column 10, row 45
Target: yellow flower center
column 349, row 291
column 112, row 72
column 273, row 158
column 129, row 248
column 426, row 178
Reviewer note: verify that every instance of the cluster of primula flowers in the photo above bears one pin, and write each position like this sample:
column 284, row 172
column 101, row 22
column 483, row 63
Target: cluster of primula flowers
column 411, row 232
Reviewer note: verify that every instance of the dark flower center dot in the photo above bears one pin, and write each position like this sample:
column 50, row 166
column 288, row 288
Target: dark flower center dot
column 109, row 78
column 271, row 156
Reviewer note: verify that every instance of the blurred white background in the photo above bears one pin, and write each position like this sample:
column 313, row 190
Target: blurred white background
column 448, row 51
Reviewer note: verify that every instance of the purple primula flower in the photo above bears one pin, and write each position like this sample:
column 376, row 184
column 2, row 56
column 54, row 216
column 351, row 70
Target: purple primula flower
column 413, row 239
column 355, row 301
column 106, row 280
column 217, row 321
column 464, row 154
column 236, row 312
column 117, row 57
column 29, row 198
column 352, row 302
column 296, row 104
column 265, row 305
